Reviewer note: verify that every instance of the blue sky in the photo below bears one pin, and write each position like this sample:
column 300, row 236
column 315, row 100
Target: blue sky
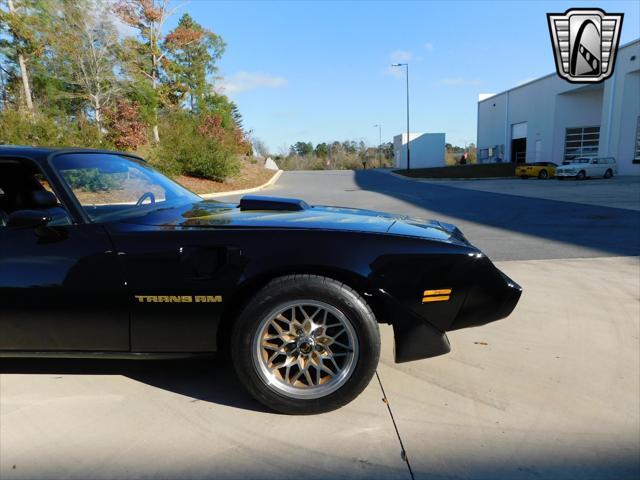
column 319, row 71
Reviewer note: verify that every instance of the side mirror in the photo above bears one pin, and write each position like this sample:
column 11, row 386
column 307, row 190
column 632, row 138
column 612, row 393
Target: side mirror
column 27, row 219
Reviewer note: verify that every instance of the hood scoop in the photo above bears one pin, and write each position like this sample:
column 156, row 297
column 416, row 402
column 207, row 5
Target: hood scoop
column 256, row 202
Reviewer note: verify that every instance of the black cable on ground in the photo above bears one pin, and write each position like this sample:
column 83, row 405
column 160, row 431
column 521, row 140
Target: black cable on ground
column 403, row 452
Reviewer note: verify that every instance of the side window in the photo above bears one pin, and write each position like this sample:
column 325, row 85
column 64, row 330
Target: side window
column 59, row 214
column 20, row 181
column 44, row 183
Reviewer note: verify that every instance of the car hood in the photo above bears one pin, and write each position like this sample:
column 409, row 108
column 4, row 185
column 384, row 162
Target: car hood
column 207, row 214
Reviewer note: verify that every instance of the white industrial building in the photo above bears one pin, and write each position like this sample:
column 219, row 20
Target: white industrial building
column 549, row 119
column 426, row 150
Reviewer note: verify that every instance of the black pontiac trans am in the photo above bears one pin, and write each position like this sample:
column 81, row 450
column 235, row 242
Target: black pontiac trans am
column 102, row 256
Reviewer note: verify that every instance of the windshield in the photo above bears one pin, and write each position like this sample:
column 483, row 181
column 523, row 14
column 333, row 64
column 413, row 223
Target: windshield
column 111, row 187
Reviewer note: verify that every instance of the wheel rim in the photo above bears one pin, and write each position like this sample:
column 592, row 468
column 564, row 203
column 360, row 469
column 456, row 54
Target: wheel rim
column 305, row 349
column 543, row 174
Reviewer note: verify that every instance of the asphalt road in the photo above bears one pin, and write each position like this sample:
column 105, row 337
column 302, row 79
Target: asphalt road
column 552, row 392
column 535, row 220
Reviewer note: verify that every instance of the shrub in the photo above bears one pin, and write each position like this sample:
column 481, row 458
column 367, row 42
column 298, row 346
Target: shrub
column 186, row 149
column 126, row 131
column 17, row 128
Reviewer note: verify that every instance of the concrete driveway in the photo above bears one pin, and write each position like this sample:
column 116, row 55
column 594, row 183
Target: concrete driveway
column 551, row 392
column 616, row 192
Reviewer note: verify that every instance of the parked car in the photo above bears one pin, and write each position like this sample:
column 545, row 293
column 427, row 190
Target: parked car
column 584, row 167
column 103, row 257
column 541, row 170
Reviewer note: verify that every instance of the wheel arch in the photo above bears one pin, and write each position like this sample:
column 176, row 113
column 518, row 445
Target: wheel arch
column 243, row 294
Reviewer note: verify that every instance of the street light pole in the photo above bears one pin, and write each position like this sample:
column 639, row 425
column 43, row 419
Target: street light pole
column 379, row 125
column 408, row 147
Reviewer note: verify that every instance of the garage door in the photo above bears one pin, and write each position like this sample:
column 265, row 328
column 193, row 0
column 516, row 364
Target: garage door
column 519, row 130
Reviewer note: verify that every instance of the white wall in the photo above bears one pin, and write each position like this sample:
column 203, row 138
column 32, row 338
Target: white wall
column 550, row 105
column 427, row 150
column 581, row 107
column 536, row 104
column 621, row 109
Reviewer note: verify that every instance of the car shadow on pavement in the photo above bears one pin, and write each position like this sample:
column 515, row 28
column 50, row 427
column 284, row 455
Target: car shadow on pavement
column 606, row 229
column 203, row 379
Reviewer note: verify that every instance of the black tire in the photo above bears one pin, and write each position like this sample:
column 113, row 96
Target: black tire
column 608, row 173
column 523, row 177
column 282, row 291
column 543, row 175
column 581, row 175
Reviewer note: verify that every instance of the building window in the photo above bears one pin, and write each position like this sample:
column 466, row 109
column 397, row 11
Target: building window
column 581, row 142
column 636, row 155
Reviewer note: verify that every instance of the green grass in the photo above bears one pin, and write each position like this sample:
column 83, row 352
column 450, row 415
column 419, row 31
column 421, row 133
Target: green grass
column 484, row 170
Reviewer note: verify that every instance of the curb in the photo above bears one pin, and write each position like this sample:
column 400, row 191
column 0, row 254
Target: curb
column 423, row 179
column 271, row 181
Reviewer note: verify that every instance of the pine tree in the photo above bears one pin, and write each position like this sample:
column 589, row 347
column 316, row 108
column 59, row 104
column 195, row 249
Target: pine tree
column 193, row 53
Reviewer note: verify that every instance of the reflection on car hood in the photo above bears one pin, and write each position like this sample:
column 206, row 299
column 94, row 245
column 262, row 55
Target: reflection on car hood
column 208, row 214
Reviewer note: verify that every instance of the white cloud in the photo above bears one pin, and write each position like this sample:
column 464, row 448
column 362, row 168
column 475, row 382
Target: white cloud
column 459, row 81
column 428, row 46
column 245, row 81
column 395, row 72
column 399, row 56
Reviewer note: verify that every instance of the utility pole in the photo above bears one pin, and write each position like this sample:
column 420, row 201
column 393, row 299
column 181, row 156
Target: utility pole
column 379, row 126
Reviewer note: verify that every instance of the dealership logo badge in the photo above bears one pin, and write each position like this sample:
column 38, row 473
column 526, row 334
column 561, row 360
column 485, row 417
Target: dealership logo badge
column 585, row 43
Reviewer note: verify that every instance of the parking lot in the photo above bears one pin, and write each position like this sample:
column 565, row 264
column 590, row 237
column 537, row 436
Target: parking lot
column 551, row 392
column 616, row 192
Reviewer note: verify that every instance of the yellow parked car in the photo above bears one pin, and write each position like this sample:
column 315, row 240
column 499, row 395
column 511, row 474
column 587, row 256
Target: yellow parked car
column 541, row 170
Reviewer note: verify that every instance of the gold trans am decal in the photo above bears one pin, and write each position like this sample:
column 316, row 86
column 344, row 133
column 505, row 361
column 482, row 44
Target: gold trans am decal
column 441, row 295
column 178, row 298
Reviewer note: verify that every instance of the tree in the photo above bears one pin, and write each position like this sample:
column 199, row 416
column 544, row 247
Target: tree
column 260, row 147
column 302, row 148
column 145, row 56
column 3, row 88
column 83, row 45
column 453, row 148
column 473, row 153
column 350, row 146
column 17, row 23
column 237, row 116
column 193, row 53
column 126, row 131
column 387, row 150
column 322, row 150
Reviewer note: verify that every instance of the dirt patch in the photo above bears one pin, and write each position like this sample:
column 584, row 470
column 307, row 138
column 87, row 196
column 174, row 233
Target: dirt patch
column 251, row 175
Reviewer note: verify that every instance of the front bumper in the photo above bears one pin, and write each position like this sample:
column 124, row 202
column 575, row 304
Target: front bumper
column 492, row 296
column 566, row 174
column 492, row 300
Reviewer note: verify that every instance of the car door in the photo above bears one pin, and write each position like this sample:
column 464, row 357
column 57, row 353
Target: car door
column 177, row 283
column 596, row 168
column 61, row 285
